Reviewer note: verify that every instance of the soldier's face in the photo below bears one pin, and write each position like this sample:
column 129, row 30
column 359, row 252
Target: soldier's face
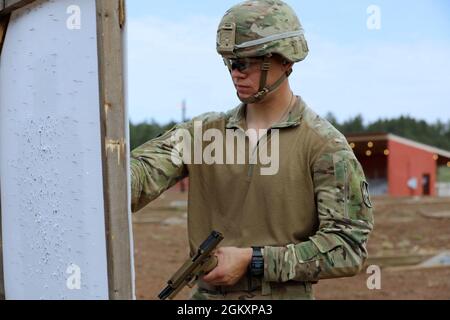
column 246, row 74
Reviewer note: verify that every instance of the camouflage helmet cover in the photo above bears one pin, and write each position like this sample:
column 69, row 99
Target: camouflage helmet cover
column 261, row 27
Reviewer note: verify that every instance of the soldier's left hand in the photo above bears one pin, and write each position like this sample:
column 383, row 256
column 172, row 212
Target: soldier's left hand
column 232, row 265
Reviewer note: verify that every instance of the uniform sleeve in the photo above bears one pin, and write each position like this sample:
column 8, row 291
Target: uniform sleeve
column 338, row 249
column 156, row 166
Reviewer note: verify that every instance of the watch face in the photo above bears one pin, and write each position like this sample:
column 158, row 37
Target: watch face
column 257, row 263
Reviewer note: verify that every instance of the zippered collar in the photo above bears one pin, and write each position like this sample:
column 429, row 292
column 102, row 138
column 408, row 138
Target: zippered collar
column 293, row 118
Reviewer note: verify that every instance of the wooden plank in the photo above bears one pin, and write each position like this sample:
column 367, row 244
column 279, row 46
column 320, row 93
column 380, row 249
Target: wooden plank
column 399, row 260
column 417, row 267
column 3, row 27
column 11, row 5
column 115, row 146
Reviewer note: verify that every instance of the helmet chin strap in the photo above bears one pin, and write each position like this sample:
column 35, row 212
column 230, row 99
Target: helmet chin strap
column 264, row 90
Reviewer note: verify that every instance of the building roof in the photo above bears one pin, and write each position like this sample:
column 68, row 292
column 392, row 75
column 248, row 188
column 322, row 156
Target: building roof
column 382, row 136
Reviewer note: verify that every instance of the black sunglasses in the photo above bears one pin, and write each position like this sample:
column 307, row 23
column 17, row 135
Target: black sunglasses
column 242, row 64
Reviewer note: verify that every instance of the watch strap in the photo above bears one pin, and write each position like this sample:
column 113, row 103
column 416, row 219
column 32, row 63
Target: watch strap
column 257, row 262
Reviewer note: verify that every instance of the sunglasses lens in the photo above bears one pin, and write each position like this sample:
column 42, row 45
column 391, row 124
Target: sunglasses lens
column 241, row 65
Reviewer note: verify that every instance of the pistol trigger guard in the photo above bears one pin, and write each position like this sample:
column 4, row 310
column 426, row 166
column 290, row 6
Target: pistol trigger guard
column 191, row 283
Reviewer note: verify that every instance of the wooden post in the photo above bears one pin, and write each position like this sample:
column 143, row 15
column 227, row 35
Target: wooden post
column 110, row 21
column 8, row 6
column 3, row 26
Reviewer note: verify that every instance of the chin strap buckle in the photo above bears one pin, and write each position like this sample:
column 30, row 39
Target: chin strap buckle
column 261, row 93
column 265, row 66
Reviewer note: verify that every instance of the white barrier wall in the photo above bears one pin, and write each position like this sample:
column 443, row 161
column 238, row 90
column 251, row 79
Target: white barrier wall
column 443, row 189
column 52, row 205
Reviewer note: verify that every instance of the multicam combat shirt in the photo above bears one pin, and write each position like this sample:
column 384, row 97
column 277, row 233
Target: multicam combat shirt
column 313, row 217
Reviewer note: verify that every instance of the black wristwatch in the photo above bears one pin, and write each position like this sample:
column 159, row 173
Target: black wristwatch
column 257, row 264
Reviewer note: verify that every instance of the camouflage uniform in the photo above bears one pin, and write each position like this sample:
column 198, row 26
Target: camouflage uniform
column 313, row 217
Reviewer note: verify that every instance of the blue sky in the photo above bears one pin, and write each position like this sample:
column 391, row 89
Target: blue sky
column 401, row 69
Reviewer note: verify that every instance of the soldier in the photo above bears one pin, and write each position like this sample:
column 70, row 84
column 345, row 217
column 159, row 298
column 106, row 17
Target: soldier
column 283, row 232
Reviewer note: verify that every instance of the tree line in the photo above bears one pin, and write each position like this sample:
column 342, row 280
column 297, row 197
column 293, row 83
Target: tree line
column 436, row 134
column 142, row 132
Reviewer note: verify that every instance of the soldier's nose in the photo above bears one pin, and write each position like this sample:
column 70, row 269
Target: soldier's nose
column 238, row 74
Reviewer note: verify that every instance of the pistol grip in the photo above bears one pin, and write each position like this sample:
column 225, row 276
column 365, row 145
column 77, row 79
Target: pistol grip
column 210, row 264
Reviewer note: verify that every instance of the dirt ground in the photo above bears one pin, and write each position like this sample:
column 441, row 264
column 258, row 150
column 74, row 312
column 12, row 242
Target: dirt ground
column 407, row 231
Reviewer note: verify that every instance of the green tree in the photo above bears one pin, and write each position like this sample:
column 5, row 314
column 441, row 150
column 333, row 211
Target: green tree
column 143, row 132
column 434, row 134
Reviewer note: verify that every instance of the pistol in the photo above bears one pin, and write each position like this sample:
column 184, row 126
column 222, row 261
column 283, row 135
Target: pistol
column 202, row 263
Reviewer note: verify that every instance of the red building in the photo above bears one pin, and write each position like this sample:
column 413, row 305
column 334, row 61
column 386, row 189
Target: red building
column 397, row 166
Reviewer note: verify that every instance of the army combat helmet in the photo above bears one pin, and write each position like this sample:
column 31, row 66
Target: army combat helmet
column 261, row 28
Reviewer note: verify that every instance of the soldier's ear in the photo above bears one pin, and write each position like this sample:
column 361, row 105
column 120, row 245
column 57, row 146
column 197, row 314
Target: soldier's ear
column 286, row 62
column 287, row 65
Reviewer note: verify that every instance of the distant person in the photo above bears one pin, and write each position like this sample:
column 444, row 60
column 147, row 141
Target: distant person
column 306, row 218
